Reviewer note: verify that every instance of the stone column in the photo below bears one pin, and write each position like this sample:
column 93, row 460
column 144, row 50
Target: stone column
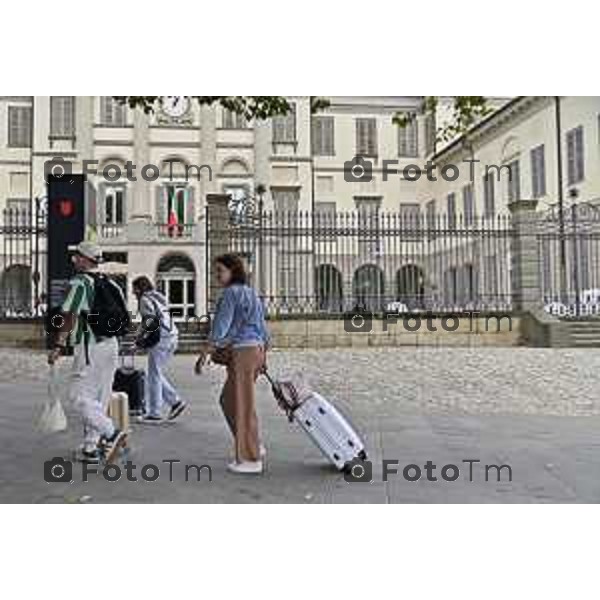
column 218, row 236
column 140, row 203
column 525, row 259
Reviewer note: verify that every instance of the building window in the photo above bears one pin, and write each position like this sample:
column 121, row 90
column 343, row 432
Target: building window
column 575, row 156
column 368, row 210
column 177, row 197
column 451, row 211
column 366, row 137
column 284, row 127
column 62, row 116
column 538, row 172
column 19, row 126
column 114, row 204
column 286, row 200
column 112, row 113
column 410, row 213
column 408, row 139
column 233, row 120
column 325, row 220
column 430, row 134
column 514, row 181
column 175, row 209
column 489, row 196
column 323, row 136
column 468, row 204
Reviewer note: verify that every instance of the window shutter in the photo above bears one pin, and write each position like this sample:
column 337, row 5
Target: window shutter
column 161, row 205
column 542, row 170
column 580, row 155
column 101, row 208
column 190, row 210
column 19, row 126
column 105, row 110
column 62, row 115
column 407, row 139
column 329, row 135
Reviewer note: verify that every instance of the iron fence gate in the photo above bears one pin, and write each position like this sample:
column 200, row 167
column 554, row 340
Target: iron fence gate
column 569, row 251
column 308, row 263
column 23, row 261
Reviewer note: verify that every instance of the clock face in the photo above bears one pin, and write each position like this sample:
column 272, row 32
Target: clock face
column 175, row 106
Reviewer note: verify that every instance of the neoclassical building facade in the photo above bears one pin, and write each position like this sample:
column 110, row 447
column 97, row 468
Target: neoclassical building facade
column 183, row 152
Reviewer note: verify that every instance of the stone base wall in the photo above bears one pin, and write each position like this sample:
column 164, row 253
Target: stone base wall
column 22, row 334
column 331, row 334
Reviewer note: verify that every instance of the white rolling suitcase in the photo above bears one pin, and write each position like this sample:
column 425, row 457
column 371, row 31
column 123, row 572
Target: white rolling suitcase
column 323, row 423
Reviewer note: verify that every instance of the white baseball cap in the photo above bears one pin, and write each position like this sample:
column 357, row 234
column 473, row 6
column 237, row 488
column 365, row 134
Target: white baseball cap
column 88, row 250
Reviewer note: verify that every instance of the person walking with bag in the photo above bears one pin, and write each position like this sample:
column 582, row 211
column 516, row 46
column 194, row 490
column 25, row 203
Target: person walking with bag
column 93, row 314
column 239, row 339
column 159, row 335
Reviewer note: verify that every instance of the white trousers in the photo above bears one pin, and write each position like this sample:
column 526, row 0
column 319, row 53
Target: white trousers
column 160, row 390
column 91, row 388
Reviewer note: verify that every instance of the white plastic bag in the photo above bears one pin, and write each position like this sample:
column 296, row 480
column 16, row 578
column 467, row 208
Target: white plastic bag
column 50, row 416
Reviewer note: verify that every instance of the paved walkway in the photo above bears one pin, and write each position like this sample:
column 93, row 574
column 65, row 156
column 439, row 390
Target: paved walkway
column 537, row 411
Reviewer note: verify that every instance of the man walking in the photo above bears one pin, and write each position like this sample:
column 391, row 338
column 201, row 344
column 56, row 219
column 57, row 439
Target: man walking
column 95, row 358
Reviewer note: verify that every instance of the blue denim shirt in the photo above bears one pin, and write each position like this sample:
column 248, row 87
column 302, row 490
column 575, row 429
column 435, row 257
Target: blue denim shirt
column 239, row 319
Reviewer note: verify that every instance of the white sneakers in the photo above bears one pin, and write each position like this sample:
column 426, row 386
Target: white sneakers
column 246, row 467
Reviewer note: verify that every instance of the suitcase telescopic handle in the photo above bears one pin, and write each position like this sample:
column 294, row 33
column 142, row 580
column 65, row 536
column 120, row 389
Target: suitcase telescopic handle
column 265, row 372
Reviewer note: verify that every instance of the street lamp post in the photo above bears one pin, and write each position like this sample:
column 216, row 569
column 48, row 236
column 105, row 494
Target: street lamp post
column 573, row 194
column 561, row 202
column 260, row 192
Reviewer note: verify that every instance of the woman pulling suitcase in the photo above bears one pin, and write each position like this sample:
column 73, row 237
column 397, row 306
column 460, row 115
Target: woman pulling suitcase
column 239, row 340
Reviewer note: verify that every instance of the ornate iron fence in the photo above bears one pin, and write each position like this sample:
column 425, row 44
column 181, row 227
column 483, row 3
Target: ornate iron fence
column 23, row 261
column 569, row 251
column 331, row 263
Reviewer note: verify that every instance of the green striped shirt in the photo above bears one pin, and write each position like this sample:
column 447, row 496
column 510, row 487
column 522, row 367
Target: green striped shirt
column 79, row 300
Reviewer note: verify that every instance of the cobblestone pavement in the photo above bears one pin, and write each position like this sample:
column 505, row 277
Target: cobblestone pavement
column 454, row 380
column 536, row 410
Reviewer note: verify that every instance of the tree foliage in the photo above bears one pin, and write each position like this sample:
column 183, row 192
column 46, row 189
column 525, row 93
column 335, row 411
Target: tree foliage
column 252, row 107
column 466, row 110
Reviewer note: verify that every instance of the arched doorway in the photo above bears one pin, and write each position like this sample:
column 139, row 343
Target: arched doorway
column 15, row 290
column 368, row 287
column 328, row 284
column 176, row 279
column 410, row 286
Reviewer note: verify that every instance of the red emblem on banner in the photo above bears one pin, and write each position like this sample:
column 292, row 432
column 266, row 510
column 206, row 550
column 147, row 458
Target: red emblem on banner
column 66, row 208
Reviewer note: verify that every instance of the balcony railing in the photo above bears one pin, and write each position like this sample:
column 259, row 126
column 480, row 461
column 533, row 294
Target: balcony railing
column 180, row 231
column 112, row 230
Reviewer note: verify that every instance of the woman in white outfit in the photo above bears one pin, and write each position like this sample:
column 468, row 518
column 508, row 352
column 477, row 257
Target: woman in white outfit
column 160, row 392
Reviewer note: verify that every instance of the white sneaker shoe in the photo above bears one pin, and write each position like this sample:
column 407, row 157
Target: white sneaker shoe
column 246, row 467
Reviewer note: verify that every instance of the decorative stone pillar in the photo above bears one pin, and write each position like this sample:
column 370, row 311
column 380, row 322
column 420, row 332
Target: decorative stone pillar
column 525, row 259
column 217, row 241
column 140, row 206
